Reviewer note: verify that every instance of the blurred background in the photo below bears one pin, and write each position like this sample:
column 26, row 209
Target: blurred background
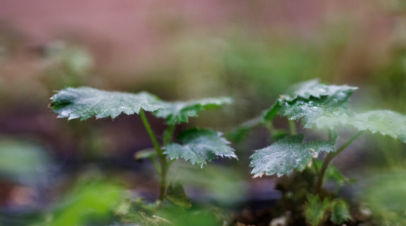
column 181, row 50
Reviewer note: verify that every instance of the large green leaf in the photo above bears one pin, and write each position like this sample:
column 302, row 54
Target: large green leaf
column 178, row 112
column 382, row 121
column 85, row 102
column 200, row 146
column 286, row 154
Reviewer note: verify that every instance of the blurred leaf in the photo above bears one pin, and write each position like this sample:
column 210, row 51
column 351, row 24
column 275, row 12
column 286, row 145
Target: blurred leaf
column 200, row 146
column 143, row 154
column 386, row 196
column 340, row 212
column 383, row 121
column 178, row 112
column 316, row 209
column 85, row 102
column 215, row 181
column 87, row 202
column 196, row 216
column 287, row 154
column 175, row 193
column 332, row 173
column 21, row 159
column 239, row 133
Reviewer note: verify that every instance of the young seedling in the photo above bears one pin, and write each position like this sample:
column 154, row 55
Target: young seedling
column 323, row 107
column 198, row 146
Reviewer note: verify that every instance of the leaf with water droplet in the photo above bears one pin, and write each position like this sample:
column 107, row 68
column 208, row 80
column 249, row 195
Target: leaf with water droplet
column 200, row 146
column 290, row 151
column 85, row 102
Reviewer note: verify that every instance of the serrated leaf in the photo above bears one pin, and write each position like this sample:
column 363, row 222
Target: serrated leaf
column 85, row 102
column 287, row 154
column 200, row 146
column 324, row 112
column 340, row 212
column 314, row 88
column 178, row 112
column 381, row 121
column 316, row 209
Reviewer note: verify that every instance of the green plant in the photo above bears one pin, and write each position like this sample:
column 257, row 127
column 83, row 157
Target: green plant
column 198, row 146
column 324, row 107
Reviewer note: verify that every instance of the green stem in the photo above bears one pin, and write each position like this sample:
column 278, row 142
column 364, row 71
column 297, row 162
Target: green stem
column 168, row 134
column 327, row 160
column 161, row 156
column 292, row 127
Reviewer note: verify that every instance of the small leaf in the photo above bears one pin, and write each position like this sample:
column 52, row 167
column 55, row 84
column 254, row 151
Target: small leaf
column 240, row 132
column 340, row 212
column 143, row 154
column 176, row 194
column 287, row 154
column 85, row 102
column 178, row 112
column 200, row 146
column 316, row 209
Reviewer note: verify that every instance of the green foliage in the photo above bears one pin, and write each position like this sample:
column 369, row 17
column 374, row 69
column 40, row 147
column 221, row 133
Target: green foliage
column 178, row 112
column 87, row 102
column 314, row 89
column 89, row 201
column 340, row 212
column 176, row 194
column 287, row 154
column 316, row 209
column 200, row 146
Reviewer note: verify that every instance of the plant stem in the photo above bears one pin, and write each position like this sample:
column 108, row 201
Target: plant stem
column 330, row 156
column 292, row 127
column 168, row 134
column 161, row 156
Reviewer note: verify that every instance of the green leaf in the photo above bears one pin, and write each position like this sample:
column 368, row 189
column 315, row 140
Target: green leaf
column 200, row 146
column 85, row 102
column 287, row 154
column 178, row 112
column 382, row 121
column 147, row 153
column 239, row 133
column 325, row 112
column 313, row 88
column 340, row 212
column 176, row 194
column 316, row 209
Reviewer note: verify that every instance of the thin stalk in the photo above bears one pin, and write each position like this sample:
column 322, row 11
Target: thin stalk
column 292, row 127
column 328, row 159
column 168, row 134
column 161, row 156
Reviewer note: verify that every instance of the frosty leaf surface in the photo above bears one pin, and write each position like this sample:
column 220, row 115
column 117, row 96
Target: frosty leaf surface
column 200, row 146
column 178, row 112
column 314, row 88
column 381, row 121
column 326, row 110
column 85, row 102
column 287, row 154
